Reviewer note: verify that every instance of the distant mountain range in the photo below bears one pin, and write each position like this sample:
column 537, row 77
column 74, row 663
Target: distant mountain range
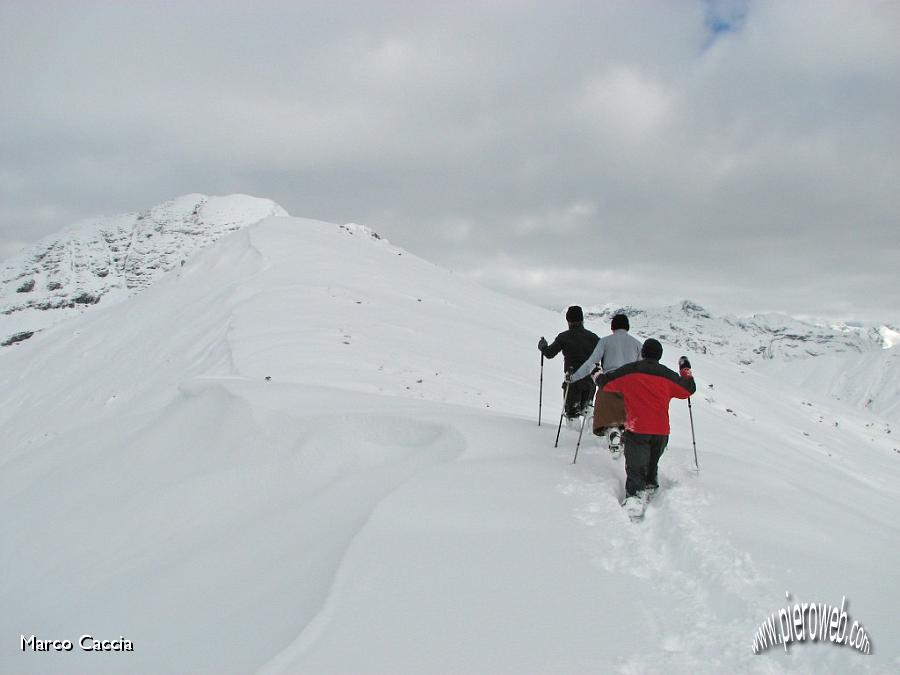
column 105, row 260
column 745, row 340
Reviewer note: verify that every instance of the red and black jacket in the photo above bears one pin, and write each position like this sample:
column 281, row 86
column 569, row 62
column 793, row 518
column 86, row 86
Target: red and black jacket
column 647, row 387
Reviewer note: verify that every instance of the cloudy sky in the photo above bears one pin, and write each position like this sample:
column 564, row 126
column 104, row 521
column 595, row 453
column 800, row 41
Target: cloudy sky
column 745, row 155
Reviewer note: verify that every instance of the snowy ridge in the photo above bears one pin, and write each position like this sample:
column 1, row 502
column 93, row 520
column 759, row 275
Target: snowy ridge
column 744, row 340
column 108, row 259
column 308, row 451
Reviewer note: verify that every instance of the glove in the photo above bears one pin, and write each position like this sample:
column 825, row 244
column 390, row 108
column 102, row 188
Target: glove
column 569, row 376
column 542, row 344
column 596, row 373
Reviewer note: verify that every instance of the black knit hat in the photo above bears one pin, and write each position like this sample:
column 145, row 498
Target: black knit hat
column 574, row 314
column 620, row 321
column 651, row 349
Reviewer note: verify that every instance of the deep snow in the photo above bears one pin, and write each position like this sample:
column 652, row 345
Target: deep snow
column 386, row 502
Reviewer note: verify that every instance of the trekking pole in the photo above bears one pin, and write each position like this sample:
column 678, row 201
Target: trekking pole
column 559, row 428
column 578, row 445
column 693, row 437
column 541, row 399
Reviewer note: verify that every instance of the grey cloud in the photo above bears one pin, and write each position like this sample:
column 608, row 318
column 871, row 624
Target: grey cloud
column 736, row 153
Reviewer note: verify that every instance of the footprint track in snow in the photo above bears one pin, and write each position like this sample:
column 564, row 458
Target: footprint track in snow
column 709, row 587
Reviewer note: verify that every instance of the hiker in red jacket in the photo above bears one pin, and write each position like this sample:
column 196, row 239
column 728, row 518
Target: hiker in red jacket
column 647, row 387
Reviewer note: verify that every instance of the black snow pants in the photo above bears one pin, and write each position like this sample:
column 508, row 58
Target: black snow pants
column 642, row 453
column 581, row 394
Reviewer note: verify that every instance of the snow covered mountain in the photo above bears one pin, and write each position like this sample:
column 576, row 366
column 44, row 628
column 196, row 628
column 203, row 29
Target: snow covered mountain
column 744, row 340
column 107, row 259
column 308, row 451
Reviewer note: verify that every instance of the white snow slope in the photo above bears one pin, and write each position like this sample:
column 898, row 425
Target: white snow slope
column 870, row 380
column 386, row 503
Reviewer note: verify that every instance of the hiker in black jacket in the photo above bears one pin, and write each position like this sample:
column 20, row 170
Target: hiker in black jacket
column 576, row 344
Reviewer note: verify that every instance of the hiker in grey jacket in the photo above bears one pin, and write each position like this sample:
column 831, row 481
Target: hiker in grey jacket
column 611, row 352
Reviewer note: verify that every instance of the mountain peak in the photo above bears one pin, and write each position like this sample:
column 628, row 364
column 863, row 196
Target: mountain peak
column 693, row 309
column 112, row 257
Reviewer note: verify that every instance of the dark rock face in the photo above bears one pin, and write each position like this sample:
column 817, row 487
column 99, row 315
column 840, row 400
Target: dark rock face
column 27, row 287
column 18, row 337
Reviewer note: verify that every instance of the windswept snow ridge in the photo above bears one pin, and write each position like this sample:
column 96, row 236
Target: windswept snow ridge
column 308, row 451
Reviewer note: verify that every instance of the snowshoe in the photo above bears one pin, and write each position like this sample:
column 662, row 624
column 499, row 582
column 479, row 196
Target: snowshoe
column 615, row 443
column 634, row 507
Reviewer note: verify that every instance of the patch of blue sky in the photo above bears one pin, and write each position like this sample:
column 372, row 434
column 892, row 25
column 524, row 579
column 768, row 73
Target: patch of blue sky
column 723, row 17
